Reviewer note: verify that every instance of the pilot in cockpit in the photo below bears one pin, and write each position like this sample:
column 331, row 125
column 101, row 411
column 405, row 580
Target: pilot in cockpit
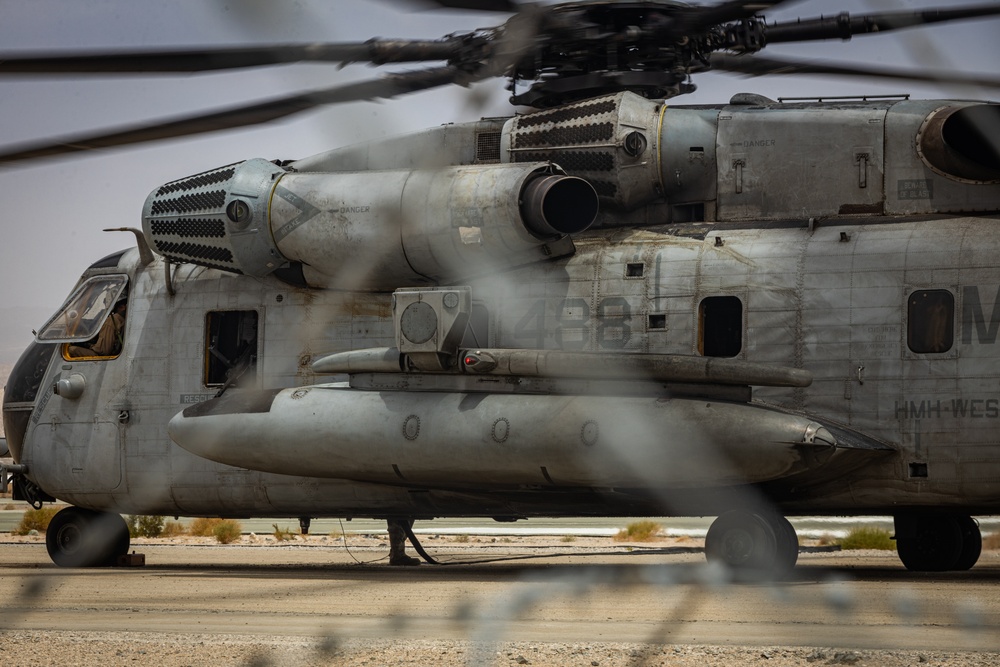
column 108, row 341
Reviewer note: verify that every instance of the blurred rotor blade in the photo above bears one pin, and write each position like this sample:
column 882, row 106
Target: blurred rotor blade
column 843, row 25
column 378, row 51
column 479, row 5
column 754, row 65
column 697, row 19
column 389, row 86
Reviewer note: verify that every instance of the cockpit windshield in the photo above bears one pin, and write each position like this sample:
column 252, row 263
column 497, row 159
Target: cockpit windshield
column 84, row 312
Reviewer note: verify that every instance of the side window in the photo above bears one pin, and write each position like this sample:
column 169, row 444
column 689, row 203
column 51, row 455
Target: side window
column 720, row 326
column 92, row 321
column 930, row 321
column 477, row 332
column 230, row 347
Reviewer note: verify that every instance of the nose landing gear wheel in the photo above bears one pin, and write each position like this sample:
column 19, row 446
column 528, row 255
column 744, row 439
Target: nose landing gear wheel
column 752, row 541
column 78, row 537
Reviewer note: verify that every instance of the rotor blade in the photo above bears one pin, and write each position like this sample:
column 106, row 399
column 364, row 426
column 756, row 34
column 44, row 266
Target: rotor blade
column 733, row 10
column 378, row 51
column 843, row 25
column 696, row 19
column 387, row 87
column 753, row 65
column 479, row 5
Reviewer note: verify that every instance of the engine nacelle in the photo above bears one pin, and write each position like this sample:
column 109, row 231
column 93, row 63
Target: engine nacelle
column 370, row 230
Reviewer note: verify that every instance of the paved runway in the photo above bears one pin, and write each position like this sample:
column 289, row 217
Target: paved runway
column 549, row 593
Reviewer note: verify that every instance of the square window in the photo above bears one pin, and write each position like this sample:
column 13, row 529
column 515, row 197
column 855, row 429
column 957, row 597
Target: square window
column 634, row 269
column 657, row 321
column 230, row 346
column 930, row 321
column 720, row 326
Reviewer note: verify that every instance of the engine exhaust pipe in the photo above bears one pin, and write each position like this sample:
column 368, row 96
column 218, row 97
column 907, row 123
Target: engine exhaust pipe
column 555, row 205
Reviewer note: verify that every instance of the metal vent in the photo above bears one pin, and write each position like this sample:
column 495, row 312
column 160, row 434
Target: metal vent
column 206, row 201
column 572, row 161
column 488, row 147
column 564, row 114
column 220, row 175
column 206, row 218
column 567, row 136
column 189, row 227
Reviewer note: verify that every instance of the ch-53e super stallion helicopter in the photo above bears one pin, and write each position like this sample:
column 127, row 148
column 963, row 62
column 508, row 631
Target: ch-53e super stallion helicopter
column 606, row 306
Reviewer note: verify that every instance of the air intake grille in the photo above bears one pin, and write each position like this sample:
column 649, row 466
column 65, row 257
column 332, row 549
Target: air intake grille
column 487, row 147
column 205, row 201
column 200, row 238
column 580, row 138
column 564, row 114
column 220, row 175
column 189, row 227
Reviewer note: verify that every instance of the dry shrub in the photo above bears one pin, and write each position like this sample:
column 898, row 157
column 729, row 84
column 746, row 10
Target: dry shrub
column 868, row 537
column 203, row 526
column 144, row 525
column 35, row 520
column 173, row 529
column 282, row 534
column 991, row 542
column 640, row 531
column 227, row 530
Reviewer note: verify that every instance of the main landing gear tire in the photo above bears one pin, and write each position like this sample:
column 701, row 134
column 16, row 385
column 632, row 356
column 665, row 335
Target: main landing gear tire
column 972, row 542
column 78, row 537
column 759, row 541
column 938, row 542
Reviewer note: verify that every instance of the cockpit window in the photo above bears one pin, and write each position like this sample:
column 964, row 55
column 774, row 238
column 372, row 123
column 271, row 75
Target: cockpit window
column 81, row 317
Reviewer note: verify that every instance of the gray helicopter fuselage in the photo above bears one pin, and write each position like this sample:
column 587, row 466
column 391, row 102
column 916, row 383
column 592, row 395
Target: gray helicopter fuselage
column 720, row 235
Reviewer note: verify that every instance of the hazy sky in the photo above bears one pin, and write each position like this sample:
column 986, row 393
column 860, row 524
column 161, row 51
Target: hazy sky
column 53, row 210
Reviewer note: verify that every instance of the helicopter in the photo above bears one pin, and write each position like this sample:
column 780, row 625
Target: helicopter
column 607, row 304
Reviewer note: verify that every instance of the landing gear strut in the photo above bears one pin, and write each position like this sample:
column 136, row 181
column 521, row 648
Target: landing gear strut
column 78, row 537
column 937, row 542
column 752, row 541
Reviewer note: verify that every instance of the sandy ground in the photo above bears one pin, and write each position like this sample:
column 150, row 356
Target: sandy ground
column 499, row 601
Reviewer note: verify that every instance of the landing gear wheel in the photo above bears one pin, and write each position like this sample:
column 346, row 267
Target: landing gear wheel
column 930, row 543
column 114, row 533
column 788, row 543
column 742, row 540
column 78, row 537
column 972, row 542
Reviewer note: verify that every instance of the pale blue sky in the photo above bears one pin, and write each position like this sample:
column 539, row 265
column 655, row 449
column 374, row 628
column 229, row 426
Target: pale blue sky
column 52, row 211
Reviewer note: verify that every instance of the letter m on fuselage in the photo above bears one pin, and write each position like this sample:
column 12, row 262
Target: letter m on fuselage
column 974, row 318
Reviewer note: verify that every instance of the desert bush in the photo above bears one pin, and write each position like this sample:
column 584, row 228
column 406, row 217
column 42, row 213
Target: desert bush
column 144, row 525
column 35, row 520
column 203, row 526
column 173, row 529
column 227, row 530
column 640, row 531
column 284, row 534
column 568, row 538
column 868, row 537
